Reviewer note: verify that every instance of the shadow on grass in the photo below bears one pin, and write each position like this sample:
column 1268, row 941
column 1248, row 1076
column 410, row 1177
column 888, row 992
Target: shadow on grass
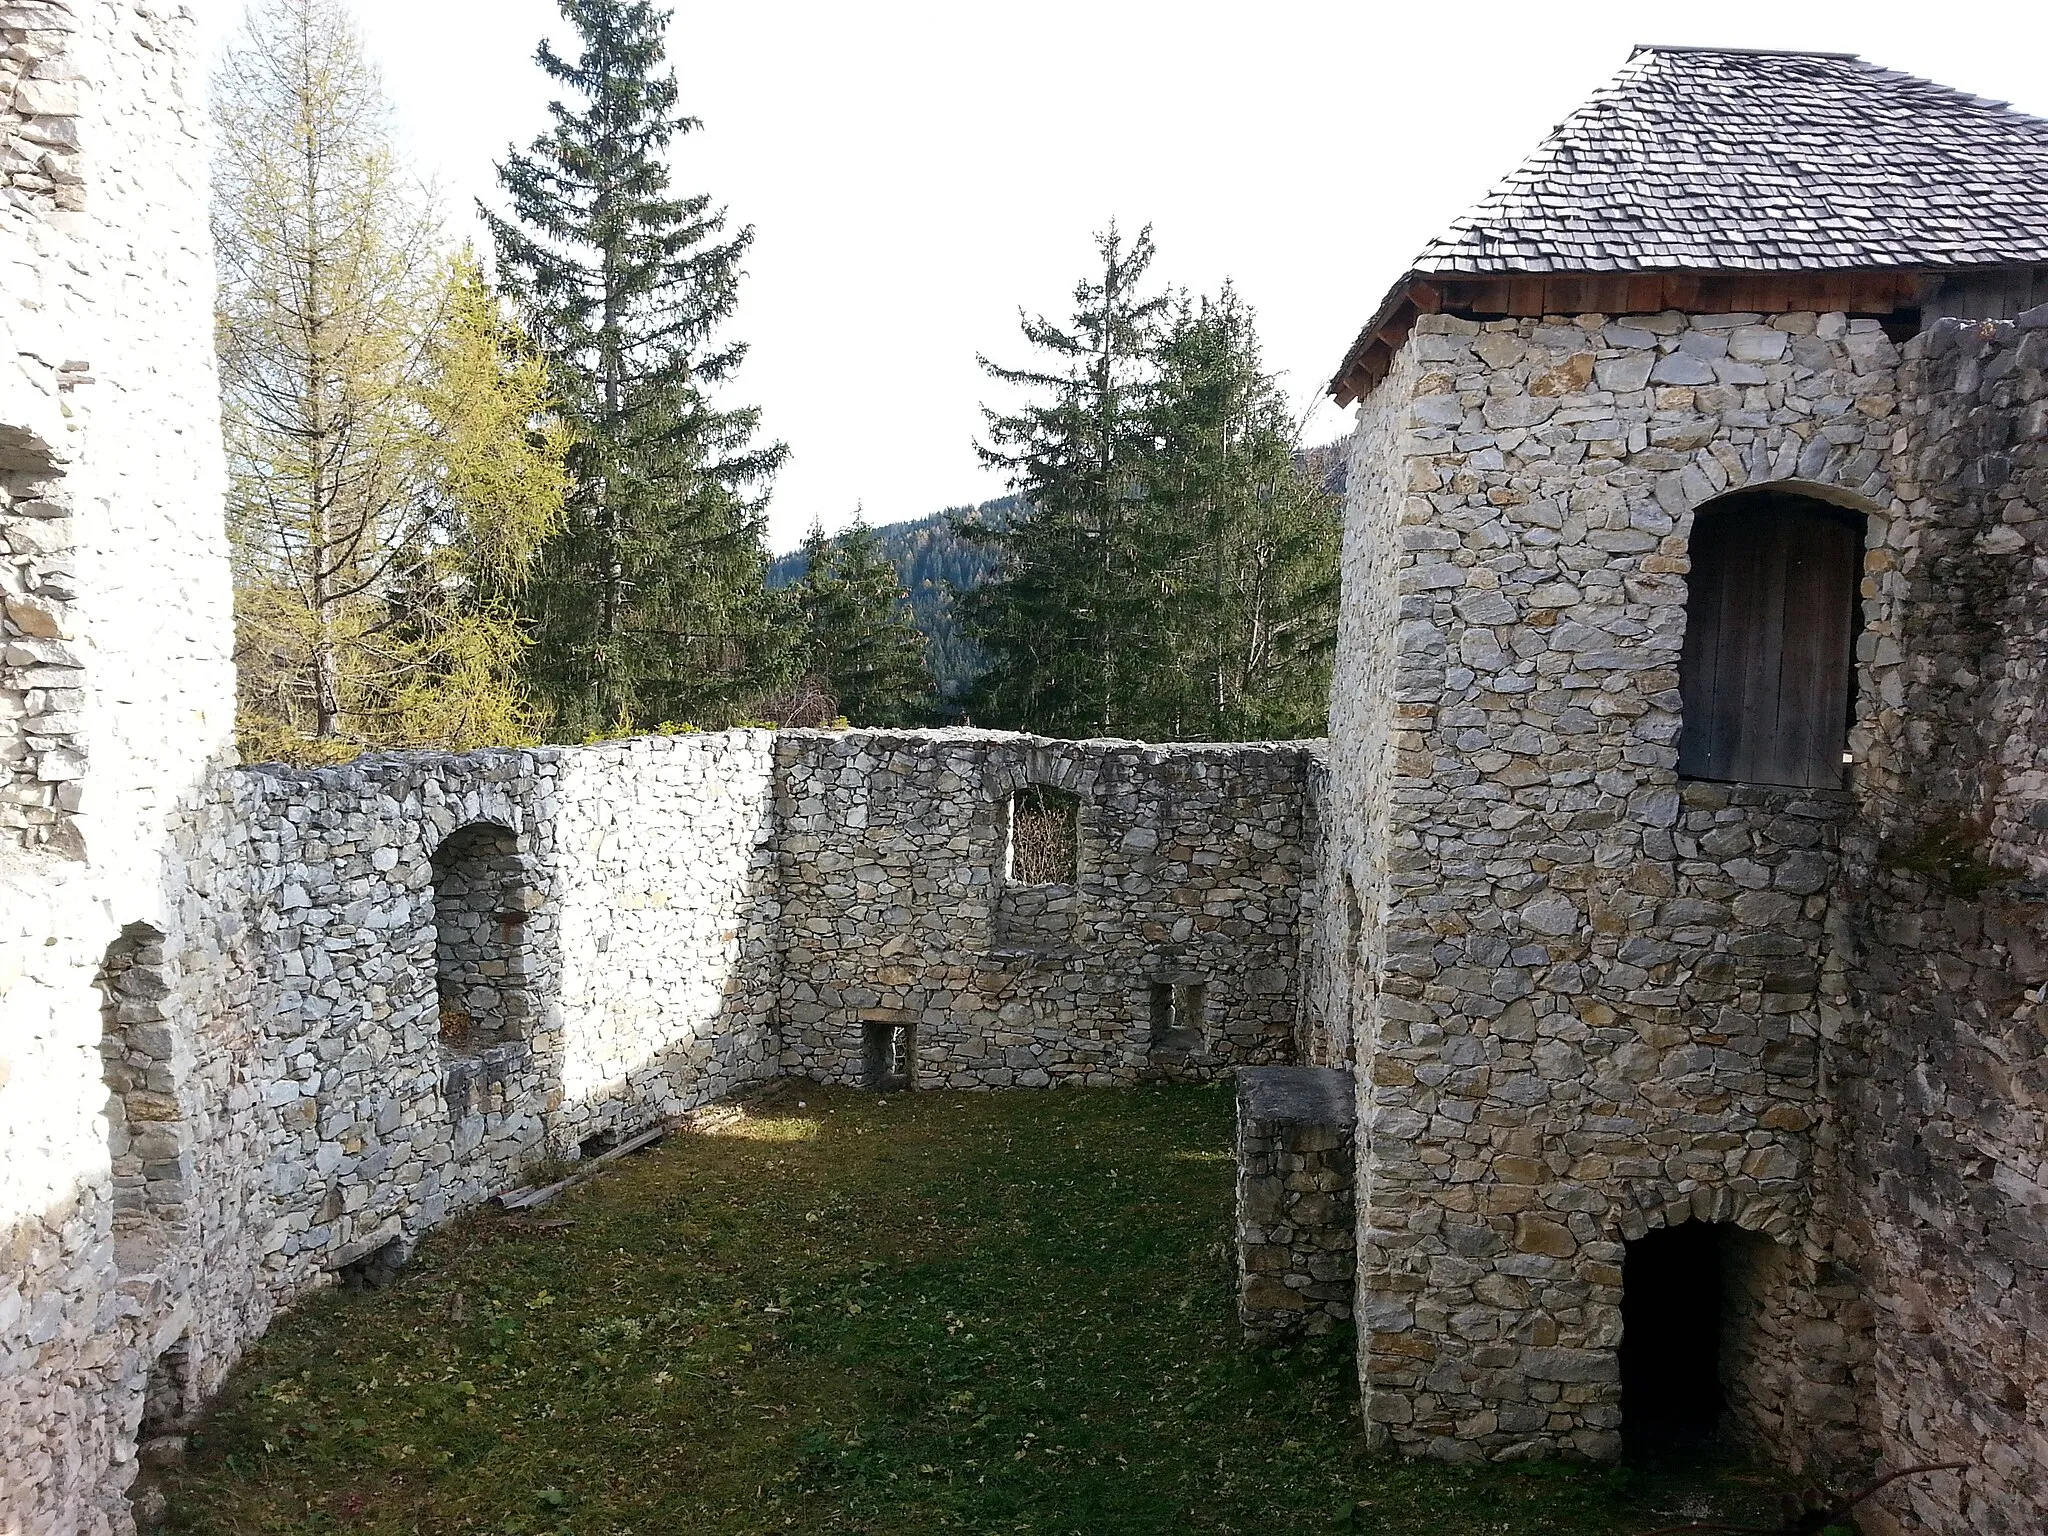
column 1000, row 1313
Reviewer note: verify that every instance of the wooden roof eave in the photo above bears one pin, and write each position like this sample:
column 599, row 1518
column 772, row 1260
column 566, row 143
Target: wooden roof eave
column 1373, row 353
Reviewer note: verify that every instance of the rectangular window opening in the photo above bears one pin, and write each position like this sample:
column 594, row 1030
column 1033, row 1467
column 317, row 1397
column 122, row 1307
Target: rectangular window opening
column 1179, row 1015
column 890, row 1064
column 1044, row 843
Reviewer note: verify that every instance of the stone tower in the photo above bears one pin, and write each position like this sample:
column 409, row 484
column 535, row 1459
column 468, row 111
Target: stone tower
column 1664, row 458
column 116, row 699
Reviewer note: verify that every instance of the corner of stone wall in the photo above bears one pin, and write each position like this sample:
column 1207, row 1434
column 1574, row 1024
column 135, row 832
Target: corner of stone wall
column 1949, row 915
column 1296, row 1226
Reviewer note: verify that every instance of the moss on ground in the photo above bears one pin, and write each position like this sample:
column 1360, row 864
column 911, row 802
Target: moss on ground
column 995, row 1313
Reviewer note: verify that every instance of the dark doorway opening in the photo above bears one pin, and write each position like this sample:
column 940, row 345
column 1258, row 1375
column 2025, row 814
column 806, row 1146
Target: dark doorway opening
column 889, row 1062
column 1671, row 1338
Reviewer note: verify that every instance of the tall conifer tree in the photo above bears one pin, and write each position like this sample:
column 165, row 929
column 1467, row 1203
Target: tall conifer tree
column 1063, row 620
column 651, row 604
column 1173, row 574
column 393, row 458
column 860, row 645
column 1246, row 548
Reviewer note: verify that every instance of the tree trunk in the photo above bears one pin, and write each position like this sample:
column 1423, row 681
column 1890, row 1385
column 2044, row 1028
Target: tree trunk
column 326, row 678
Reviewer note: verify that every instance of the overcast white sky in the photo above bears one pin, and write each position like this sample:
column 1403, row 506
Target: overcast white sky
column 918, row 171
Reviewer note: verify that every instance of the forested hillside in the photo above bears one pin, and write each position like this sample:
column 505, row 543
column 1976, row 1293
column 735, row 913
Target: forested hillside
column 932, row 562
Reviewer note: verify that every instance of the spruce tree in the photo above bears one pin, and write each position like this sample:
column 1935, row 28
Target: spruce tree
column 1067, row 618
column 651, row 605
column 1246, row 547
column 1172, row 574
column 860, row 646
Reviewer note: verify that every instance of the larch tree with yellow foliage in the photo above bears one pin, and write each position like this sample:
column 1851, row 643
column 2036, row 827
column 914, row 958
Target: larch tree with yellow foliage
column 394, row 458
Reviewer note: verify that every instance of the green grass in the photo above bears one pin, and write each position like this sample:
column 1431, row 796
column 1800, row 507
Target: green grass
column 997, row 1313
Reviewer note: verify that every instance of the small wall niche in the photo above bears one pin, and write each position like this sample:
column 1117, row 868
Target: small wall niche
column 1042, row 838
column 482, row 952
column 889, row 1055
column 1180, row 1016
column 168, row 1398
column 145, row 1061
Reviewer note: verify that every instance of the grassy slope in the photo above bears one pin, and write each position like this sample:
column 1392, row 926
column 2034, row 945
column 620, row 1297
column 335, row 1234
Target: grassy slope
column 1001, row 1313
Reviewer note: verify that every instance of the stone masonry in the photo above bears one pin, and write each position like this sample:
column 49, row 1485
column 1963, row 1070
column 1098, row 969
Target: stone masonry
column 898, row 913
column 1591, row 1000
column 39, row 137
column 116, row 707
column 422, row 975
column 264, row 1027
column 1591, row 1003
column 1296, row 1225
column 1947, row 893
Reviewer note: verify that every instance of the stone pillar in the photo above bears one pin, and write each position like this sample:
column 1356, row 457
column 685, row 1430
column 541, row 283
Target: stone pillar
column 1295, row 1231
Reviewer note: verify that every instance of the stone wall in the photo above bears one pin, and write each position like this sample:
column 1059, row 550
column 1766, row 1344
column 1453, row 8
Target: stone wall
column 116, row 704
column 1949, row 882
column 39, row 107
column 897, row 915
column 1586, row 1004
column 42, row 676
column 1296, row 1224
column 379, row 994
column 595, row 956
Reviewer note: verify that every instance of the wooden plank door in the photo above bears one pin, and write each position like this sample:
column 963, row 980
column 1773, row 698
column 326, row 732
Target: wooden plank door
column 1766, row 669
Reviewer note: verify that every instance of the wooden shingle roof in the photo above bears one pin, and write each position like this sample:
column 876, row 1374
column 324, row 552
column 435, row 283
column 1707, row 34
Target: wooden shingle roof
column 1697, row 160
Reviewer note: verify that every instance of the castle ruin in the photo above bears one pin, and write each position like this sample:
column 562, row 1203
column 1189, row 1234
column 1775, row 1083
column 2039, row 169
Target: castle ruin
column 1674, row 881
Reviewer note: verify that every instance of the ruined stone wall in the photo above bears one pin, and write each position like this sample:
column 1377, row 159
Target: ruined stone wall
column 1351, row 785
column 116, row 703
column 896, row 913
column 611, row 917
column 1949, row 884
column 40, row 168
column 1594, row 1007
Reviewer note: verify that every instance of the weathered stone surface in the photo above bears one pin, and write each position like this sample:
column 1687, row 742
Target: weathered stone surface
column 1296, row 1131
column 894, row 894
column 1589, row 1000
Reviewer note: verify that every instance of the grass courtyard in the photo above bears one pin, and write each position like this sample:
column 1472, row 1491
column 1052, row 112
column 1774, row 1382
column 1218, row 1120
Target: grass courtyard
column 990, row 1313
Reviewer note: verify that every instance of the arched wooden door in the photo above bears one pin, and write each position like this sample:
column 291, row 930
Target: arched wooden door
column 1767, row 667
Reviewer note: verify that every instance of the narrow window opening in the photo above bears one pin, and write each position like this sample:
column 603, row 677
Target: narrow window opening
column 890, row 1064
column 378, row 1268
column 1671, row 1319
column 1044, row 843
column 482, row 905
column 1180, row 1012
column 1767, row 672
column 1354, row 915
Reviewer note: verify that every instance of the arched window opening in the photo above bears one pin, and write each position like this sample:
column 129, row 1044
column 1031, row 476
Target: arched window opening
column 482, row 903
column 1767, row 670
